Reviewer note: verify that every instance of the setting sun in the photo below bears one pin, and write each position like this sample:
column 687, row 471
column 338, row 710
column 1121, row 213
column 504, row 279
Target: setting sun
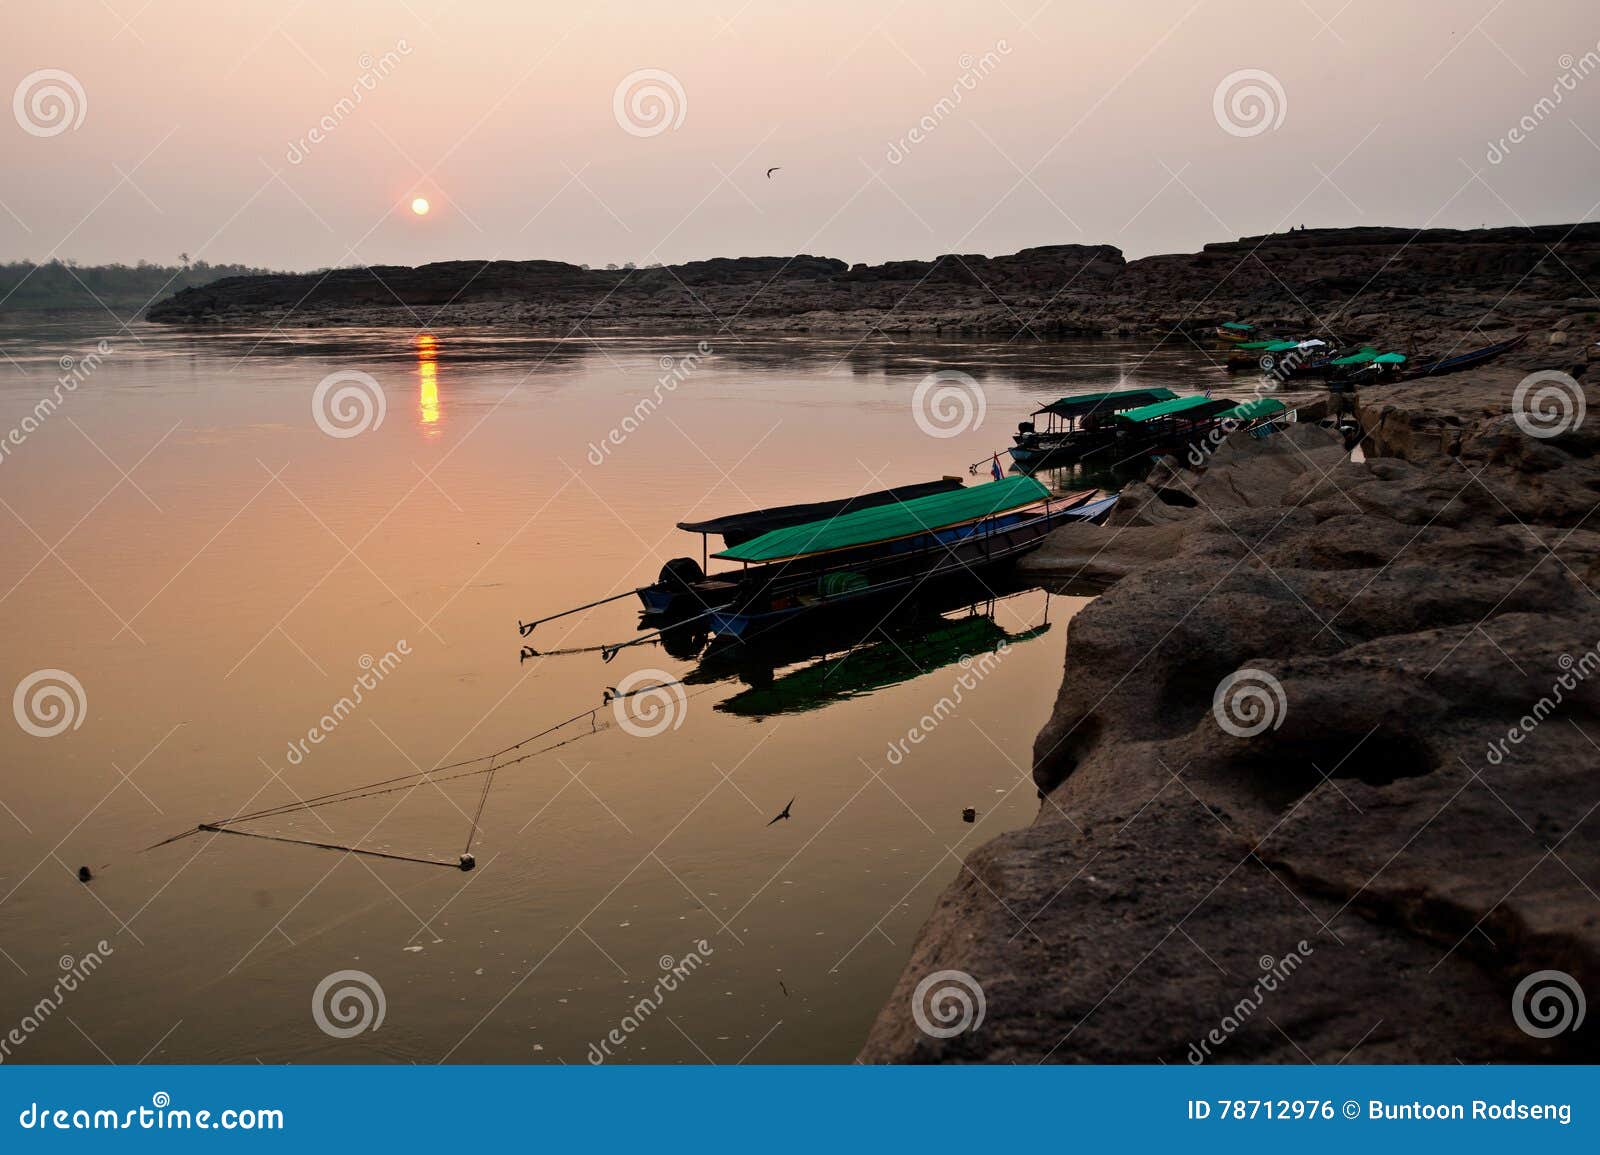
column 420, row 206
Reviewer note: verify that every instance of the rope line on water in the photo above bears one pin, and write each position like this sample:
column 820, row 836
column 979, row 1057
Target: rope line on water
column 214, row 829
column 407, row 782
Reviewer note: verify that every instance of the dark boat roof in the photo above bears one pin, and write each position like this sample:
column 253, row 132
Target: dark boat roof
column 1077, row 406
column 741, row 527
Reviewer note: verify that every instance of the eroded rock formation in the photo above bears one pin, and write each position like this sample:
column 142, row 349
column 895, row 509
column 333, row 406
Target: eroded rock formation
column 1402, row 816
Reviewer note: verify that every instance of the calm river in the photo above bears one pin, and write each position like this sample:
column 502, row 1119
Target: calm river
column 203, row 566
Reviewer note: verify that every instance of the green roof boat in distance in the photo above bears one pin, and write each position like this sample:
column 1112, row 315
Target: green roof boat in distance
column 1253, row 410
column 1078, row 424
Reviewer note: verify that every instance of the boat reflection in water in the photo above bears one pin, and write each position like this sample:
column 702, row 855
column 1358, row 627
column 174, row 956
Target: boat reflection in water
column 793, row 671
column 427, row 351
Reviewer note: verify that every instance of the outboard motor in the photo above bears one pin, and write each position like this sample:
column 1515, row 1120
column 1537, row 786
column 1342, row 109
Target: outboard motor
column 680, row 573
column 1024, row 427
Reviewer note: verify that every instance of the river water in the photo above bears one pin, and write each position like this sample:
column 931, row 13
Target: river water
column 205, row 565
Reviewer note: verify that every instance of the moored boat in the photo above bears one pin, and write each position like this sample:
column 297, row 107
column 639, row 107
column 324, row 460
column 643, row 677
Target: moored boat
column 670, row 595
column 1165, row 427
column 880, row 555
column 1459, row 361
column 1075, row 425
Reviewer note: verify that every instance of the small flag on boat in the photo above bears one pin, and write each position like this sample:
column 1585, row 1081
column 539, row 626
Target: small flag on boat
column 994, row 468
column 1208, row 393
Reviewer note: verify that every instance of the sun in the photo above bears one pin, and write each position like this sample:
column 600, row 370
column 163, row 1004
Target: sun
column 420, row 206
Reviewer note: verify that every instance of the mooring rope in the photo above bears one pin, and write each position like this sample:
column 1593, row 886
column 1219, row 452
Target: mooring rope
column 488, row 781
column 322, row 845
column 407, row 782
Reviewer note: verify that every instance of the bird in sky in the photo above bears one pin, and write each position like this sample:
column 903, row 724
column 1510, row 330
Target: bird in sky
column 772, row 170
column 785, row 813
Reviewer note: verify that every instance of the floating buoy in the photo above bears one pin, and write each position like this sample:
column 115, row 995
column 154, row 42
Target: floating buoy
column 468, row 862
column 84, row 874
column 969, row 814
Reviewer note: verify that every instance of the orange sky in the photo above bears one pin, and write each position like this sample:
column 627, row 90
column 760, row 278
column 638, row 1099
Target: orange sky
column 1076, row 122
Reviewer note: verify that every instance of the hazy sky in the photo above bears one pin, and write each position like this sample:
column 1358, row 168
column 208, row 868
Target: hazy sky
column 1040, row 124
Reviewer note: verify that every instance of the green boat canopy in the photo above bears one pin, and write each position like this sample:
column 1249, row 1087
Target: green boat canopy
column 1256, row 344
column 1364, row 357
column 1251, row 410
column 1281, row 346
column 1081, row 403
column 890, row 522
column 1237, row 326
column 1389, row 359
column 1196, row 406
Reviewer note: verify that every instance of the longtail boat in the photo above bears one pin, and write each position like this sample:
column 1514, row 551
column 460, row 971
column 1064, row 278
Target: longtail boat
column 669, row 593
column 1469, row 360
column 873, row 557
column 1074, row 425
column 1235, row 331
column 1268, row 356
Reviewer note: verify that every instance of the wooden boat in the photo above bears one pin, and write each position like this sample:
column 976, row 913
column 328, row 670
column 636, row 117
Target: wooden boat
column 1166, row 427
column 1365, row 368
column 830, row 637
column 1074, row 425
column 741, row 527
column 1470, row 360
column 1274, row 356
column 877, row 556
column 1328, row 363
column 1235, row 331
column 669, row 595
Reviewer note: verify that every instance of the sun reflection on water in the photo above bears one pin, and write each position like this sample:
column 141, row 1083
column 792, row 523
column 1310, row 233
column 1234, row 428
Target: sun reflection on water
column 427, row 348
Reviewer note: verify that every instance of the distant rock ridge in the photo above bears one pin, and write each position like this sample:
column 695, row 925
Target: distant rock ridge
column 1370, row 283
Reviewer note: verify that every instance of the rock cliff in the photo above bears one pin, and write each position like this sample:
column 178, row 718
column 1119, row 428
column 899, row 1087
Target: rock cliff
column 1401, row 285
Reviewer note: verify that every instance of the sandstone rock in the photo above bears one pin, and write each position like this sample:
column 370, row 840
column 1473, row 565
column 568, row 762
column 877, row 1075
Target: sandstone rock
column 1410, row 815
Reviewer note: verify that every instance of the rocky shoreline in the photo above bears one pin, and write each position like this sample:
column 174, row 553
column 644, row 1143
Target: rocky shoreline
column 1400, row 826
column 1425, row 289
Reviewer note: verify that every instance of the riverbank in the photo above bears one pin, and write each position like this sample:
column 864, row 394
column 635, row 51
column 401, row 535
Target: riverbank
column 1426, row 289
column 1362, row 845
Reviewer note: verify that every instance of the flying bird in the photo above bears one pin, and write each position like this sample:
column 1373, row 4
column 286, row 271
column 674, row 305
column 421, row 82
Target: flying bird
column 785, row 813
column 772, row 170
